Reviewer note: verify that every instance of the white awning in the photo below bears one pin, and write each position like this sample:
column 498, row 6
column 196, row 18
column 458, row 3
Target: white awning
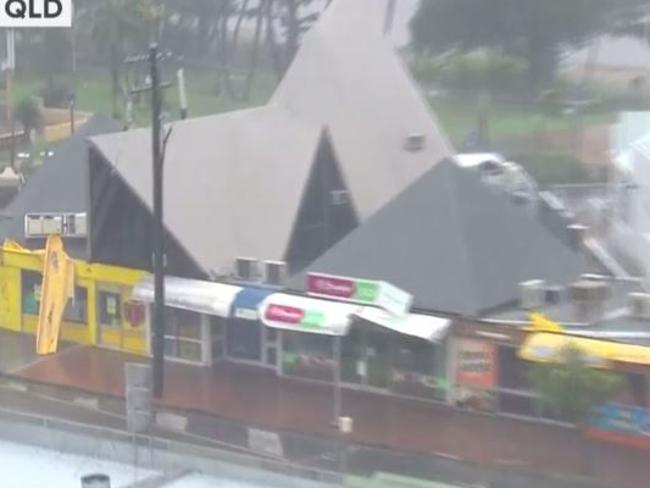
column 290, row 312
column 426, row 327
column 194, row 295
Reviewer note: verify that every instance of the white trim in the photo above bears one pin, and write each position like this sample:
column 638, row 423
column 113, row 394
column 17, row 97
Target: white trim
column 204, row 297
column 335, row 316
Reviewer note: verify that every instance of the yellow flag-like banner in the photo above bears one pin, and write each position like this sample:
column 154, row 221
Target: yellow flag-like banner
column 56, row 289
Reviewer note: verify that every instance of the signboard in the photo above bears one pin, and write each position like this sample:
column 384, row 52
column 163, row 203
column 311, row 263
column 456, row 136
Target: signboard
column 246, row 313
column 134, row 313
column 284, row 314
column 476, row 363
column 622, row 424
column 265, row 442
column 369, row 292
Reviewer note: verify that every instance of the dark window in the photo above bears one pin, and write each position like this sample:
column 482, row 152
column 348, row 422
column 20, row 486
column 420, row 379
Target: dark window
column 513, row 371
column 77, row 308
column 183, row 334
column 110, row 309
column 31, row 291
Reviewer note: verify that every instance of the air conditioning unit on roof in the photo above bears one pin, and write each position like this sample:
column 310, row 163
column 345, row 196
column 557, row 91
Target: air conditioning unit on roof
column 247, row 269
column 639, row 305
column 275, row 273
column 532, row 294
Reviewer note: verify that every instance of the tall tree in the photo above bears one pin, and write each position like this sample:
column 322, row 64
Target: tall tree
column 117, row 26
column 535, row 29
column 572, row 389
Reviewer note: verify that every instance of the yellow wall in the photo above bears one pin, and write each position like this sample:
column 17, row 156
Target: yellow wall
column 93, row 277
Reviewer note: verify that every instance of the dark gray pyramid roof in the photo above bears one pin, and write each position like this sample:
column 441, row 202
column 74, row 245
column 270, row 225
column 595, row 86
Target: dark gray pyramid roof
column 59, row 185
column 456, row 244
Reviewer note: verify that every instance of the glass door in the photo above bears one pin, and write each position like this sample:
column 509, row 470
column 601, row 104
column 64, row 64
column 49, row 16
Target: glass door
column 244, row 340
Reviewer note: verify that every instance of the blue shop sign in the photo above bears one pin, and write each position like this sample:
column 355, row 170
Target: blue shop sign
column 246, row 303
column 622, row 419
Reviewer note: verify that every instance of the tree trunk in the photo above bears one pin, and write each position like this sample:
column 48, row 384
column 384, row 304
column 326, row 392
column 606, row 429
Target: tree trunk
column 278, row 63
column 293, row 31
column 115, row 79
column 252, row 67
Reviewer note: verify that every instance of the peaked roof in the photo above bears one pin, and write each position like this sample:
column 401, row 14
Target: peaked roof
column 233, row 182
column 59, row 185
column 347, row 77
column 456, row 244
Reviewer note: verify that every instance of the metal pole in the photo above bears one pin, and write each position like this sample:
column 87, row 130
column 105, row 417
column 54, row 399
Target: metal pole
column 72, row 129
column 158, row 233
column 337, row 381
column 182, row 94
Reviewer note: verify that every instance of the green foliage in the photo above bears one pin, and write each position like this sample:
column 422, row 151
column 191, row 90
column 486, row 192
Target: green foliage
column 28, row 112
column 571, row 388
column 534, row 29
column 475, row 70
column 555, row 168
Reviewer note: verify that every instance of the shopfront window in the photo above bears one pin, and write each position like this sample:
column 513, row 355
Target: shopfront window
column 183, row 335
column 110, row 309
column 309, row 355
column 244, row 339
column 413, row 369
column 77, row 308
column 515, row 394
column 31, row 291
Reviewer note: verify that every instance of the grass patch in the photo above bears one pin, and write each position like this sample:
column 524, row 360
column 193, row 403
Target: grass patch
column 204, row 96
column 557, row 168
column 506, row 121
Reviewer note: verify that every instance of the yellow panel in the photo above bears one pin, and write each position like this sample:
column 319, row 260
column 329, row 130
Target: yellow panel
column 545, row 347
column 74, row 332
column 10, row 298
column 111, row 337
column 30, row 322
column 135, row 341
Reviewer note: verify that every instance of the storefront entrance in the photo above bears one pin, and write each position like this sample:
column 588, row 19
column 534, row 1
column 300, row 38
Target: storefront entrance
column 244, row 340
column 366, row 357
column 247, row 339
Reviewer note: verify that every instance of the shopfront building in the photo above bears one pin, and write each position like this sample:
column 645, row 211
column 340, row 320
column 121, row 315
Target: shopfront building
column 100, row 312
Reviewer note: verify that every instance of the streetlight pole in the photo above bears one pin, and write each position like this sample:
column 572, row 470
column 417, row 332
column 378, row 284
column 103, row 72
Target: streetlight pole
column 158, row 233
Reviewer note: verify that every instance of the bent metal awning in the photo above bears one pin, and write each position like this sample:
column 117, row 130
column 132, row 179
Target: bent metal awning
column 291, row 312
column 547, row 347
column 426, row 327
column 194, row 295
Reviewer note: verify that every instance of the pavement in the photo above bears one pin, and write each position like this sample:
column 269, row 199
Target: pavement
column 220, row 404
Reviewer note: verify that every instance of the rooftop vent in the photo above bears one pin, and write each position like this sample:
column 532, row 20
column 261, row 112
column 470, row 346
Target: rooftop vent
column 589, row 297
column 577, row 236
column 275, row 273
column 415, row 142
column 639, row 305
column 339, row 197
column 555, row 294
column 247, row 269
column 532, row 294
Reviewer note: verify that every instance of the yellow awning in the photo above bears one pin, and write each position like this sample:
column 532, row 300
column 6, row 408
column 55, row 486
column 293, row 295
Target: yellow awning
column 547, row 347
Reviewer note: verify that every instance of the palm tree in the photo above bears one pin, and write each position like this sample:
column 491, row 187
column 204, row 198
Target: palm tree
column 28, row 112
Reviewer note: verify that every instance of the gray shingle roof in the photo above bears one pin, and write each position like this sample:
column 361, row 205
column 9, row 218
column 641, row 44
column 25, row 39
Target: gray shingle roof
column 348, row 78
column 59, row 185
column 456, row 244
column 233, row 182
